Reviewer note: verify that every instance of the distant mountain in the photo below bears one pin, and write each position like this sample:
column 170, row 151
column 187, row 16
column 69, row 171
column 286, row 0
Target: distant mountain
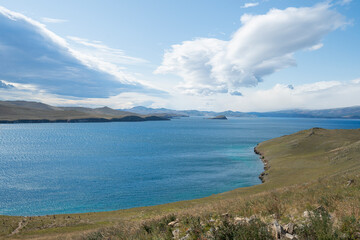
column 23, row 112
column 184, row 113
column 145, row 110
column 348, row 112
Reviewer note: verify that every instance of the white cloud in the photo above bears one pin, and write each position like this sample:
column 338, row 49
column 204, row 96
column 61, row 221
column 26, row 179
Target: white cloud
column 262, row 45
column 103, row 52
column 318, row 95
column 30, row 92
column 53, row 20
column 316, row 47
column 38, row 57
column 247, row 5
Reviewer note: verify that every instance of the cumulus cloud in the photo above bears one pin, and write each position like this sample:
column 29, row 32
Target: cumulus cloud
column 247, row 5
column 31, row 54
column 262, row 45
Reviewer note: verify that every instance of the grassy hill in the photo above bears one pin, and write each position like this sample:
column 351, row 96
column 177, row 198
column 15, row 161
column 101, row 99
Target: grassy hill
column 23, row 111
column 311, row 190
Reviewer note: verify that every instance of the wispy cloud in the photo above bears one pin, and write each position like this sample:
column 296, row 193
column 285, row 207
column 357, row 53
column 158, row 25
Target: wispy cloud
column 103, row 52
column 316, row 47
column 345, row 2
column 257, row 49
column 53, row 20
column 248, row 5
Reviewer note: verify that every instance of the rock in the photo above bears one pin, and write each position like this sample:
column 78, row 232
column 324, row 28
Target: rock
column 319, row 209
column 252, row 218
column 306, row 214
column 241, row 220
column 289, row 236
column 289, row 228
column 277, row 230
column 172, row 224
column 351, row 181
column 186, row 237
column 225, row 215
column 176, row 233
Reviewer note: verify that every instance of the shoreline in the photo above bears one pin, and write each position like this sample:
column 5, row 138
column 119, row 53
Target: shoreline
column 264, row 161
column 261, row 177
column 341, row 176
column 86, row 120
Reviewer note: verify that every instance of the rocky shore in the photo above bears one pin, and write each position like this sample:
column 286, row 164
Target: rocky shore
column 265, row 162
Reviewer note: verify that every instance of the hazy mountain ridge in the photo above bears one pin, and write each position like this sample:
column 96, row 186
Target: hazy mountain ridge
column 24, row 110
column 347, row 112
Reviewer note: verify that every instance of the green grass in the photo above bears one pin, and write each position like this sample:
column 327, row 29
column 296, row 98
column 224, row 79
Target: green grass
column 307, row 169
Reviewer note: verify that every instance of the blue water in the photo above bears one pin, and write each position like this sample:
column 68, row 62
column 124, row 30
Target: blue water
column 82, row 167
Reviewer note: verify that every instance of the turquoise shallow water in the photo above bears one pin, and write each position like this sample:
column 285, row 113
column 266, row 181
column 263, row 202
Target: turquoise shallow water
column 81, row 167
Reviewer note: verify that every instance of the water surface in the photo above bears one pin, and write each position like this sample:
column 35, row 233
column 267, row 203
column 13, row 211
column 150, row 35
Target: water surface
column 80, row 167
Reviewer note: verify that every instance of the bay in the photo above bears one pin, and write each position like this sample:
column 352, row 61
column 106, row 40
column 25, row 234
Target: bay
column 57, row 168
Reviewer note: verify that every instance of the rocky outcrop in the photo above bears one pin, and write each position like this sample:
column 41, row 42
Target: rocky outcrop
column 263, row 175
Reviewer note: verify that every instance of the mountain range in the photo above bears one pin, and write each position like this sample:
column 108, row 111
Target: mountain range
column 347, row 112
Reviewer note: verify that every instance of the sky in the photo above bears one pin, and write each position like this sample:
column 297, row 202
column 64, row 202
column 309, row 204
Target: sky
column 254, row 55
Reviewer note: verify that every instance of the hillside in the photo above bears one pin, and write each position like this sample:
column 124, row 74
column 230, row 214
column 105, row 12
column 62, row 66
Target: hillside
column 311, row 191
column 22, row 112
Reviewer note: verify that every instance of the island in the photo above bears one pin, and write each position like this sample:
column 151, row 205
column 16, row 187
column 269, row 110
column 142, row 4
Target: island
column 310, row 190
column 219, row 117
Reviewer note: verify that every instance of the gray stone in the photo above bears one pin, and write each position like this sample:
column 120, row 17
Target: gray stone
column 289, row 236
column 172, row 224
column 241, row 220
column 277, row 230
column 289, row 228
column 186, row 237
column 176, row 233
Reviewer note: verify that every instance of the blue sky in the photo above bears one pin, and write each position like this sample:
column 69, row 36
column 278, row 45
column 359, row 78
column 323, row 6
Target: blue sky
column 208, row 55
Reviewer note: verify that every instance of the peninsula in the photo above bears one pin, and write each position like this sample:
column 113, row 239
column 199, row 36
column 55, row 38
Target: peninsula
column 310, row 190
column 35, row 112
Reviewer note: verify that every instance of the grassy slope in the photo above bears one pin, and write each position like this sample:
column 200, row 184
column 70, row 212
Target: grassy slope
column 307, row 168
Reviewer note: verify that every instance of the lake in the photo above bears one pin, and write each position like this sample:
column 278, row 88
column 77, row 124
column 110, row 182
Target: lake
column 54, row 168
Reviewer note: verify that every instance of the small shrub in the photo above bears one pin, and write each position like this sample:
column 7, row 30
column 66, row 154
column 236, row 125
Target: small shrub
column 255, row 230
column 350, row 227
column 319, row 227
column 274, row 206
column 94, row 236
column 159, row 227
